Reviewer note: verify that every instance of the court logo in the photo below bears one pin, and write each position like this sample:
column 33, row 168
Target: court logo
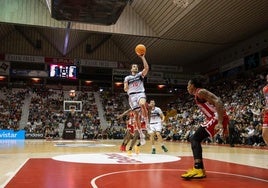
column 116, row 158
column 76, row 145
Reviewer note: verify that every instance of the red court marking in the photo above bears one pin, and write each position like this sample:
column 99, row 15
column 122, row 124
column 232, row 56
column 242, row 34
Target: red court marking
column 48, row 173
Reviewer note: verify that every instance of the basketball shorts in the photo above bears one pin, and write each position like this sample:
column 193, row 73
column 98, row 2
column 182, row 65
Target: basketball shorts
column 155, row 127
column 131, row 129
column 134, row 100
column 210, row 124
column 265, row 120
column 143, row 125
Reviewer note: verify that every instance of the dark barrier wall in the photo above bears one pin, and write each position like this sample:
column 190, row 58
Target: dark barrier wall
column 34, row 135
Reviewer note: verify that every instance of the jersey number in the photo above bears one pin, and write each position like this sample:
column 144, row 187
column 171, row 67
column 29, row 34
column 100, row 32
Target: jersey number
column 135, row 84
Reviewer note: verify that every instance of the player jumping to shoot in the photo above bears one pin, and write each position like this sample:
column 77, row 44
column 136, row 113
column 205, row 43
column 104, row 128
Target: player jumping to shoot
column 134, row 86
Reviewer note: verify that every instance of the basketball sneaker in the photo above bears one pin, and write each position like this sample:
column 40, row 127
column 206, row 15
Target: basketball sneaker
column 142, row 139
column 194, row 173
column 153, row 151
column 122, row 148
column 129, row 152
column 164, row 148
column 137, row 150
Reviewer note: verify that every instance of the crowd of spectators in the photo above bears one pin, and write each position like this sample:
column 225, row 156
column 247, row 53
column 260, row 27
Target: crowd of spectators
column 243, row 101
column 11, row 102
column 242, row 97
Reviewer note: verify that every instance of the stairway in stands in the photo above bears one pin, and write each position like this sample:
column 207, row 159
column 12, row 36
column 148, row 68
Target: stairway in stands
column 25, row 111
column 103, row 122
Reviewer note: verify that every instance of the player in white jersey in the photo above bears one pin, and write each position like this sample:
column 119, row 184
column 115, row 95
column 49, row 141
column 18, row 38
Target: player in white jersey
column 134, row 86
column 156, row 124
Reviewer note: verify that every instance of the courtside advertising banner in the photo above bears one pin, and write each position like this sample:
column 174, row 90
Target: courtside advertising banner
column 29, row 73
column 24, row 58
column 11, row 134
column 96, row 63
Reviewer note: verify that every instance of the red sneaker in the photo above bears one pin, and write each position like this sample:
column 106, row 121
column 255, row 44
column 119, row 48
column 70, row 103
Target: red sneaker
column 122, row 148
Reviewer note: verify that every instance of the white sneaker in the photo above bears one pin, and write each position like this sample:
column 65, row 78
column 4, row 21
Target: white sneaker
column 143, row 142
column 142, row 139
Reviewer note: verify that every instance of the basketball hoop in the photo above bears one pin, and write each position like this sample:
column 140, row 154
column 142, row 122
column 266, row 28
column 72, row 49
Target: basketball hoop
column 181, row 3
column 72, row 106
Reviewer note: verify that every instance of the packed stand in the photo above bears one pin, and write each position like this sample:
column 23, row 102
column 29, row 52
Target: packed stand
column 11, row 102
column 243, row 104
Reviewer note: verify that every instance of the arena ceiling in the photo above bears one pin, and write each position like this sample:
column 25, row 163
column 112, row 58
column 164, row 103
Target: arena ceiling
column 184, row 33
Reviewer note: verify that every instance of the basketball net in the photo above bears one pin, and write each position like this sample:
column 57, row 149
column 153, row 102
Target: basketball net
column 181, row 3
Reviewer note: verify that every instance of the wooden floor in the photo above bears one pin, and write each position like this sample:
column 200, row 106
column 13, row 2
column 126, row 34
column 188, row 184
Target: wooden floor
column 100, row 164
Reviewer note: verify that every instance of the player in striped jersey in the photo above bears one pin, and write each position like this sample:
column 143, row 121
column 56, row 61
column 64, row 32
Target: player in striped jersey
column 134, row 86
column 265, row 113
column 216, row 120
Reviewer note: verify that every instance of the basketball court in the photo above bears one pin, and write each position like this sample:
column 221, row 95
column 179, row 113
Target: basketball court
column 100, row 164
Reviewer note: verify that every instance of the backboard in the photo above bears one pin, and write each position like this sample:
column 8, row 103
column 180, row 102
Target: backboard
column 72, row 106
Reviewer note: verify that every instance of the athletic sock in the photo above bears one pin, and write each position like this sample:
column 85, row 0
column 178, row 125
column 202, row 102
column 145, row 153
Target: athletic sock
column 199, row 165
column 141, row 133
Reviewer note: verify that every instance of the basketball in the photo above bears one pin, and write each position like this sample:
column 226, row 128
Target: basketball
column 140, row 49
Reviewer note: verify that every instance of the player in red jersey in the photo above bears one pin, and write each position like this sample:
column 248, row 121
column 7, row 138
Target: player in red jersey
column 136, row 136
column 133, row 131
column 130, row 128
column 265, row 113
column 216, row 120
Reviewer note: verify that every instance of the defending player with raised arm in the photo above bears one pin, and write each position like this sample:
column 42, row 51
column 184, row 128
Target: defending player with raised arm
column 129, row 123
